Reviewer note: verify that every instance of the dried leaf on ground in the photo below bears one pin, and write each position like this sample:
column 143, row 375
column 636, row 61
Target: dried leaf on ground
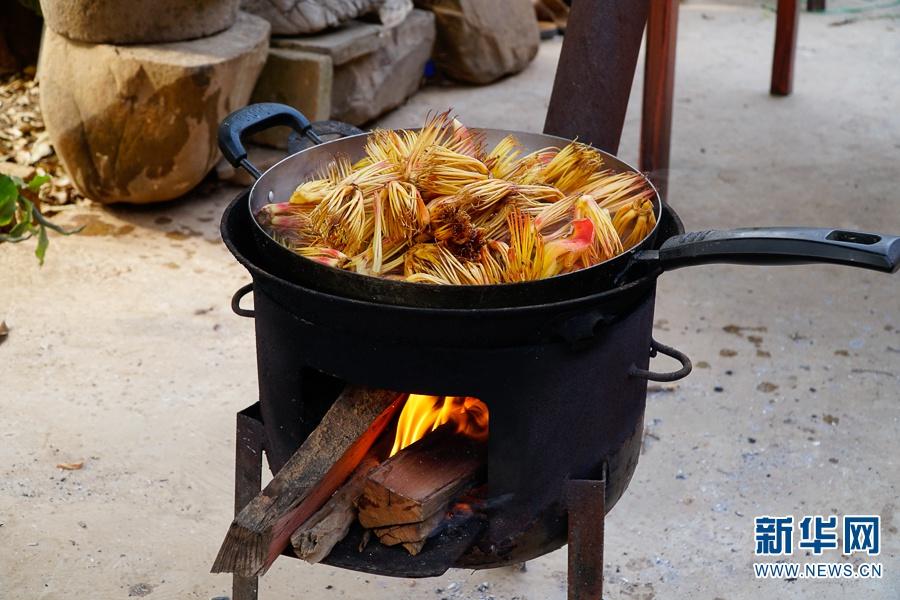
column 71, row 466
column 25, row 144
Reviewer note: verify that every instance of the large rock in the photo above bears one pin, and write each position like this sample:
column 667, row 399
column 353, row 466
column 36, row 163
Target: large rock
column 480, row 41
column 290, row 17
column 393, row 12
column 138, row 21
column 296, row 78
column 373, row 84
column 138, row 123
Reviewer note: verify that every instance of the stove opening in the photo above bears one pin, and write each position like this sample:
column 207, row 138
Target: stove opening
column 413, row 481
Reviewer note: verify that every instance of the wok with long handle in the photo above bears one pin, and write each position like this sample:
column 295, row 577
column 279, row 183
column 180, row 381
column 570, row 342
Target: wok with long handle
column 754, row 246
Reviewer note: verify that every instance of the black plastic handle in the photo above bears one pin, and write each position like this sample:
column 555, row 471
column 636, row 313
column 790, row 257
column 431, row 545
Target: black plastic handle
column 778, row 246
column 236, row 302
column 253, row 119
column 655, row 347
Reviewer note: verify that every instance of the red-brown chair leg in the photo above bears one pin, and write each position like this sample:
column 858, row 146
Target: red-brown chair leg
column 659, row 88
column 785, row 47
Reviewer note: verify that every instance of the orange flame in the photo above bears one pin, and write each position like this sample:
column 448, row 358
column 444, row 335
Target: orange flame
column 423, row 414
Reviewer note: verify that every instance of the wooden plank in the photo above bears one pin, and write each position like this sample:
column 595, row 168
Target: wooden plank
column 596, row 70
column 411, row 532
column 319, row 467
column 314, row 539
column 785, row 47
column 414, row 547
column 659, row 89
column 443, row 551
column 421, row 479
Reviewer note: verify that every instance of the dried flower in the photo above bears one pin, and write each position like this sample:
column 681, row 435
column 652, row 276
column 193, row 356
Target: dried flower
column 562, row 254
column 572, row 167
column 607, row 243
column 635, row 222
column 502, row 160
column 430, row 206
column 526, row 249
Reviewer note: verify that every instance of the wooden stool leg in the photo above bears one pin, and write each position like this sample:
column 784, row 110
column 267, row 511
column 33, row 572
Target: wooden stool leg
column 596, row 69
column 659, row 89
column 785, row 47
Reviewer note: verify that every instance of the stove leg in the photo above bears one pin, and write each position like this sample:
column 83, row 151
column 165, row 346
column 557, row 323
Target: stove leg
column 247, row 483
column 586, row 500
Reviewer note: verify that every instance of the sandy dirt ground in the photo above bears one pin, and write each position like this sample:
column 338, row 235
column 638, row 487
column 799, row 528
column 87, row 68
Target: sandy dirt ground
column 123, row 353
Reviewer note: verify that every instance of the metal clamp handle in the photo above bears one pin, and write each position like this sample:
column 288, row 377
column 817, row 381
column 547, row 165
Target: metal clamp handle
column 253, row 119
column 236, row 302
column 656, row 347
column 339, row 129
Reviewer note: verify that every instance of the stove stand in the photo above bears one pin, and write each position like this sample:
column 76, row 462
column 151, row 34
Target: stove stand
column 586, row 500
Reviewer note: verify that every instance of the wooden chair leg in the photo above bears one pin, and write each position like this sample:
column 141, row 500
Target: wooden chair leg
column 785, row 47
column 596, row 69
column 659, row 88
column 815, row 5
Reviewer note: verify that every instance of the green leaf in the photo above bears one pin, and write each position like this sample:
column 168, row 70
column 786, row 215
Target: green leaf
column 8, row 188
column 7, row 211
column 37, row 181
column 20, row 229
column 8, row 195
column 41, row 249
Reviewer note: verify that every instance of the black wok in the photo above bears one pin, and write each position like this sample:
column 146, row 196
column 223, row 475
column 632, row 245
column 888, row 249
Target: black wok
column 756, row 246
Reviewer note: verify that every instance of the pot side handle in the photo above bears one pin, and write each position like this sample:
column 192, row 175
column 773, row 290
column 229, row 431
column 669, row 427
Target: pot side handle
column 253, row 119
column 778, row 246
column 236, row 302
column 656, row 348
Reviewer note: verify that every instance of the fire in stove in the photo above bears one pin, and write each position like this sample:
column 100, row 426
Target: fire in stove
column 423, row 414
column 389, row 469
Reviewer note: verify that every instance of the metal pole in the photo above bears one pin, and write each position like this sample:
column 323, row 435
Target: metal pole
column 249, row 445
column 586, row 502
column 595, row 72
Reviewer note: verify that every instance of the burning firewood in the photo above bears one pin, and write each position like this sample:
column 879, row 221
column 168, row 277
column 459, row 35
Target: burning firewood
column 319, row 467
column 421, row 479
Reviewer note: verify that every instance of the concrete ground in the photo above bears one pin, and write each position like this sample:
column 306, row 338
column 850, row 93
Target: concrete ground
column 122, row 352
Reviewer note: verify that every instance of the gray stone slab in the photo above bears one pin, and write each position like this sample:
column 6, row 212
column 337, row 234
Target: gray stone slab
column 371, row 85
column 351, row 41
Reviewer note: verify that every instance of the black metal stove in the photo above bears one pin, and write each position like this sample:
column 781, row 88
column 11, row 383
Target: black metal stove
column 565, row 384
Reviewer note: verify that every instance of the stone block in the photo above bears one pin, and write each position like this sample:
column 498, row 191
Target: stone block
column 296, row 78
column 371, row 85
column 138, row 123
column 138, row 21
